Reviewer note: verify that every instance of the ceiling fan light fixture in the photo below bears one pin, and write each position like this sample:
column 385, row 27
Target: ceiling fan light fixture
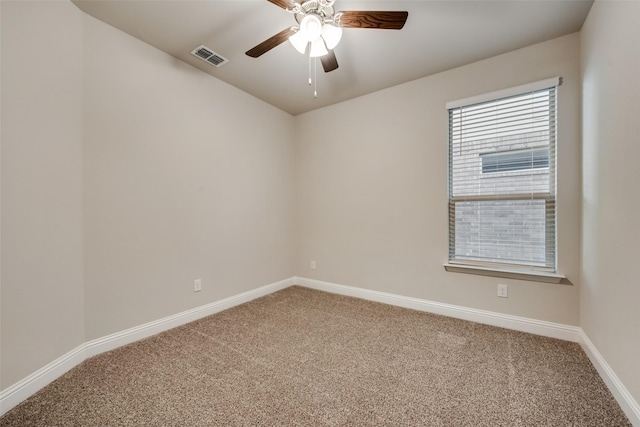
column 318, row 48
column 331, row 35
column 311, row 25
column 299, row 41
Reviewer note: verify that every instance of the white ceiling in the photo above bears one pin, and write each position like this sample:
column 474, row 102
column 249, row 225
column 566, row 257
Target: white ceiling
column 438, row 35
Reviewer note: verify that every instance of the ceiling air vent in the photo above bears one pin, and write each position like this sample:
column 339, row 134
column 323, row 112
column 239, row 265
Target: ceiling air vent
column 210, row 56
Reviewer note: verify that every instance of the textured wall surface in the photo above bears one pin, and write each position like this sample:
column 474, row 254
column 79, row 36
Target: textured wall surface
column 611, row 107
column 372, row 199
column 42, row 301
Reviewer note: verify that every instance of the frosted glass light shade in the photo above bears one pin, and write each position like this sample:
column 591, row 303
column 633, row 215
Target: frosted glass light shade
column 331, row 35
column 312, row 27
column 318, row 48
column 321, row 37
column 299, row 41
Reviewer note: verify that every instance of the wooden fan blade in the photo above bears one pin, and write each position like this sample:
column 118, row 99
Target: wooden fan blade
column 285, row 4
column 386, row 20
column 270, row 43
column 329, row 61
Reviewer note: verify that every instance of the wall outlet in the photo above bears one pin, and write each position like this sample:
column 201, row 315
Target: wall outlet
column 313, row 265
column 197, row 285
column 503, row 291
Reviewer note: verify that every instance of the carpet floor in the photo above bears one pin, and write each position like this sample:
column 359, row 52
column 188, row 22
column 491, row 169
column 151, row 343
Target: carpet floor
column 301, row 357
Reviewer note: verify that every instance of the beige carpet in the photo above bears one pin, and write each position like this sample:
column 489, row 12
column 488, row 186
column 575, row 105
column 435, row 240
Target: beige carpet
column 300, row 357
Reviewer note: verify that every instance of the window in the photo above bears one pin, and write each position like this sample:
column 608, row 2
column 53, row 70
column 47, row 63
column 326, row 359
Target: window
column 515, row 160
column 502, row 179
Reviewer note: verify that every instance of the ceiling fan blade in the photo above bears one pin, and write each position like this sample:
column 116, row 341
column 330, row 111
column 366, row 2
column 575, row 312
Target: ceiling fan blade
column 270, row 43
column 285, row 4
column 329, row 61
column 386, row 20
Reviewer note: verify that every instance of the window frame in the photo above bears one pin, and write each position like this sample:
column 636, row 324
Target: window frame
column 510, row 270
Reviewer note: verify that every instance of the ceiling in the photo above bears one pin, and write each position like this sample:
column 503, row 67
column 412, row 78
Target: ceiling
column 438, row 35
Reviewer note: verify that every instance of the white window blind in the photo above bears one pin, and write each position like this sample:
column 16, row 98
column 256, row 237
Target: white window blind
column 502, row 179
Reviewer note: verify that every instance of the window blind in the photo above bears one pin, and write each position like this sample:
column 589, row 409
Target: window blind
column 502, row 180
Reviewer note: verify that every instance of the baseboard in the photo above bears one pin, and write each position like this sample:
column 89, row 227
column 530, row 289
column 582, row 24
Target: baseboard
column 629, row 406
column 137, row 333
column 18, row 392
column 538, row 327
column 554, row 330
column 13, row 395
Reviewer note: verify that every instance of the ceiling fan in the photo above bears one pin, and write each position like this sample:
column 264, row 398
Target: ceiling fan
column 320, row 28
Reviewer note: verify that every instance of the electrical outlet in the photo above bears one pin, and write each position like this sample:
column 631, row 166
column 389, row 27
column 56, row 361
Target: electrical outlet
column 313, row 265
column 197, row 285
column 503, row 291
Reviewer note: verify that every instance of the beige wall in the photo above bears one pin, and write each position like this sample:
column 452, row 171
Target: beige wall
column 610, row 293
column 372, row 187
column 42, row 289
column 186, row 177
column 126, row 175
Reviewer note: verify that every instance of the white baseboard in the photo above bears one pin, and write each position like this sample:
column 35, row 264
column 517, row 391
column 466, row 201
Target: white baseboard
column 137, row 333
column 554, row 330
column 18, row 392
column 538, row 327
column 628, row 404
column 13, row 395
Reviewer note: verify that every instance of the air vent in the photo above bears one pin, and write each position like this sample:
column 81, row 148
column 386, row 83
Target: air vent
column 209, row 55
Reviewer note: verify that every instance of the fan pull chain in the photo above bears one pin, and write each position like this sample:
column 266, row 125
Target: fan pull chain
column 315, row 76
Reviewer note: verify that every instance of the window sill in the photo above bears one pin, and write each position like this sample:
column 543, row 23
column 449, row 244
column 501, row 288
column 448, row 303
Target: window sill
column 534, row 276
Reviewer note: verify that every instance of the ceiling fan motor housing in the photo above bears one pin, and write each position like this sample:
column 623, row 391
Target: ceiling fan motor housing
column 321, row 8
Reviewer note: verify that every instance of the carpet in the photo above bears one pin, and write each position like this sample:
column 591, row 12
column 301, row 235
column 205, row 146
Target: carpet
column 301, row 357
